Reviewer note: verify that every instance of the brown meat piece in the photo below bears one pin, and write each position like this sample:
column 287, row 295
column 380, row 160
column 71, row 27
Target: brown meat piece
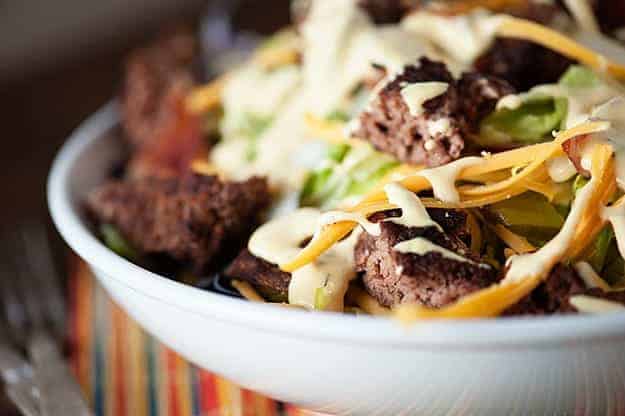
column 479, row 95
column 263, row 275
column 194, row 219
column 174, row 144
column 430, row 280
column 525, row 64
column 552, row 296
column 152, row 74
column 387, row 11
column 610, row 14
column 390, row 127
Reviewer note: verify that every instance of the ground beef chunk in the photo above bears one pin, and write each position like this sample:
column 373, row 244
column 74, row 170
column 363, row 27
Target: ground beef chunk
column 437, row 136
column 265, row 276
column 610, row 14
column 525, row 64
column 552, row 296
column 479, row 95
column 152, row 74
column 431, row 280
column 387, row 11
column 194, row 219
column 174, row 144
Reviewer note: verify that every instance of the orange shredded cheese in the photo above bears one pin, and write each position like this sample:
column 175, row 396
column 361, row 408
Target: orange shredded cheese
column 247, row 291
column 526, row 156
column 497, row 298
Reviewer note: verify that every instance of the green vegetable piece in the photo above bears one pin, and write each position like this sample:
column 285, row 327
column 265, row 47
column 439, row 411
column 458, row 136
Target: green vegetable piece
column 116, row 242
column 338, row 116
column 614, row 269
column 347, row 172
column 579, row 182
column 322, row 300
column 600, row 247
column 529, row 210
column 578, row 76
column 337, row 152
column 532, row 122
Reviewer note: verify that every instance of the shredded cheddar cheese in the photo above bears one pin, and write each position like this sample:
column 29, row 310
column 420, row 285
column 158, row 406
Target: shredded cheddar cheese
column 247, row 291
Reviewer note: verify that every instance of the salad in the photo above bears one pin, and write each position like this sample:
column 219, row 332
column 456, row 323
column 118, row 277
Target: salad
column 419, row 160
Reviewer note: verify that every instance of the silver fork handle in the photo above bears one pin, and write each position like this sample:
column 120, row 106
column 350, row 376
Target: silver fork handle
column 21, row 395
column 18, row 380
column 59, row 392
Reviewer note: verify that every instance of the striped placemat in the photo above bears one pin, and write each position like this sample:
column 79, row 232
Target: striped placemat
column 124, row 371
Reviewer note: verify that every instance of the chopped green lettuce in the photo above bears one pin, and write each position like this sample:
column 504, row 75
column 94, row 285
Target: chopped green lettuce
column 116, row 242
column 579, row 182
column 529, row 215
column 346, row 172
column 532, row 122
column 337, row 115
column 578, row 76
column 599, row 249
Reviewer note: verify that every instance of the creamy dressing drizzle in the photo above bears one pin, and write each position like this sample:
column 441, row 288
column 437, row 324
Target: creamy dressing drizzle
column 332, row 217
column 540, row 262
column 340, row 43
column 422, row 246
column 414, row 95
column 614, row 112
column 462, row 37
column 332, row 271
column 443, row 178
column 561, row 169
column 280, row 240
column 593, row 305
column 590, row 277
column 413, row 213
column 583, row 14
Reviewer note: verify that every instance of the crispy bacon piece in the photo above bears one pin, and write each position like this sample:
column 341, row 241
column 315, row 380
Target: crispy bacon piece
column 573, row 149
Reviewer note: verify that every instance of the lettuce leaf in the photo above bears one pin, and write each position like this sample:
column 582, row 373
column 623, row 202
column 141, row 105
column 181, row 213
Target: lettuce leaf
column 346, row 172
column 578, row 76
column 532, row 122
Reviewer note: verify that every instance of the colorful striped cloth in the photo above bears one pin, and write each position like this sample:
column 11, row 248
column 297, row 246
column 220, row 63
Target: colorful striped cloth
column 124, row 371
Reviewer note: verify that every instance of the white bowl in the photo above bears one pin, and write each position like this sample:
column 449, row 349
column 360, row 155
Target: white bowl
column 344, row 364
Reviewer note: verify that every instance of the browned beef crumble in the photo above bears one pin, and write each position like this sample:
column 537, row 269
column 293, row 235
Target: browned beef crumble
column 430, row 280
column 387, row 11
column 263, row 275
column 525, row 64
column 194, row 219
column 152, row 74
column 553, row 295
column 390, row 127
column 610, row 14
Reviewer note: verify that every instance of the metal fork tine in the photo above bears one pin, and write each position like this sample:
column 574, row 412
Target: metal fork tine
column 43, row 272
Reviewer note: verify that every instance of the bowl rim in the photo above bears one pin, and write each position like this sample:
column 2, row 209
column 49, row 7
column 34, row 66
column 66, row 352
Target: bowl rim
column 363, row 331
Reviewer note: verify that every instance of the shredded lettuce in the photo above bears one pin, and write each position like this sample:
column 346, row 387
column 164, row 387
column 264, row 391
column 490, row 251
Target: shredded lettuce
column 599, row 250
column 116, row 242
column 346, row 172
column 338, row 115
column 578, row 76
column 532, row 122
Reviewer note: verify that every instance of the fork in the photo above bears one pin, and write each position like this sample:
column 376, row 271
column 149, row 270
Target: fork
column 35, row 315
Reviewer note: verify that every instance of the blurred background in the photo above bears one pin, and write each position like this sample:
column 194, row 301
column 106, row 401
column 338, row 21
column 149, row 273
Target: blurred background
column 61, row 60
